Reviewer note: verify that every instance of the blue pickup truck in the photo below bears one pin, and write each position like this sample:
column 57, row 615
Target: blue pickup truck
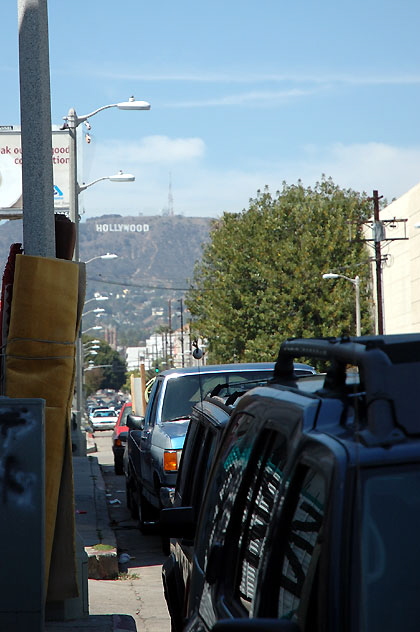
column 155, row 441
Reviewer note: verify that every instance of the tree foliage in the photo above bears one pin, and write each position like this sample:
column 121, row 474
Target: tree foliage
column 260, row 277
column 111, row 371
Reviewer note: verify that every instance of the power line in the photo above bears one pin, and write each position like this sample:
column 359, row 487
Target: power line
column 131, row 284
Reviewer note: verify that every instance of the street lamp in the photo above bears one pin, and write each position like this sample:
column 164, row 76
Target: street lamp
column 107, row 256
column 97, row 310
column 96, row 298
column 356, row 283
column 72, row 121
column 92, row 328
column 118, row 177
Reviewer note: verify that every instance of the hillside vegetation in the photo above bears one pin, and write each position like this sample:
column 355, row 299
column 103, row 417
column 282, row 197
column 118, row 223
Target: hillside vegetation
column 156, row 257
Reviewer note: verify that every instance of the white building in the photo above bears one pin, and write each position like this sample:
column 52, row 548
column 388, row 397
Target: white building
column 134, row 356
column 401, row 269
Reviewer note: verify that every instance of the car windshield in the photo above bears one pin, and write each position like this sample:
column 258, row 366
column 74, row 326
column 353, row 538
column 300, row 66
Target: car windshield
column 184, row 391
column 390, row 551
column 105, row 413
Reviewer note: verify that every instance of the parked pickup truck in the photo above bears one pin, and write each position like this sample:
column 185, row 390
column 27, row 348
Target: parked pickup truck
column 155, row 441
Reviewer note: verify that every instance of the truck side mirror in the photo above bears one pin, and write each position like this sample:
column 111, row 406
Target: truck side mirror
column 135, row 422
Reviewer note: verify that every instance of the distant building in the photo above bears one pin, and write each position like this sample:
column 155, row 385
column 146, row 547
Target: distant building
column 134, row 356
column 401, row 269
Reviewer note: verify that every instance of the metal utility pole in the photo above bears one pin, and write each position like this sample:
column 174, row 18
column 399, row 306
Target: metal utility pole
column 170, row 329
column 181, row 303
column 36, row 137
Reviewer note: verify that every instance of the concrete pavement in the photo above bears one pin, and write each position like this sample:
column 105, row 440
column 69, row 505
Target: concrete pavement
column 97, row 539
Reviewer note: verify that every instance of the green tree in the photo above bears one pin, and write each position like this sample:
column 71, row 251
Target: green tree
column 111, row 371
column 260, row 277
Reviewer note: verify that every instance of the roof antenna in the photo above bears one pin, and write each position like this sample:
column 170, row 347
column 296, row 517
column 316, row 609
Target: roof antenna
column 170, row 197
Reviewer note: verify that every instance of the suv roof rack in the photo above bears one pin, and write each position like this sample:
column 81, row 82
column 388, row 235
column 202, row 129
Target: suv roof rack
column 243, row 386
column 389, row 368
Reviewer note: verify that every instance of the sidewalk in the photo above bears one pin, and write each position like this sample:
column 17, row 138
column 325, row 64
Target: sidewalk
column 98, row 539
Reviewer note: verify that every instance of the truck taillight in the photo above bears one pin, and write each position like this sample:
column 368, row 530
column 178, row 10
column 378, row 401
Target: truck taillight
column 171, row 460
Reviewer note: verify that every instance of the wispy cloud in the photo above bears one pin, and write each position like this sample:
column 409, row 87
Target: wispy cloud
column 254, row 98
column 154, row 149
column 240, row 77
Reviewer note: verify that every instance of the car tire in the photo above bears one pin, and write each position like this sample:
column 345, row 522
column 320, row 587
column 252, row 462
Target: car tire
column 166, row 545
column 130, row 501
column 118, row 466
column 146, row 515
column 173, row 600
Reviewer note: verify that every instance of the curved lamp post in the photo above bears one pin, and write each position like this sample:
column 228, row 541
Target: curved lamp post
column 97, row 327
column 356, row 283
column 97, row 310
column 108, row 255
column 96, row 298
column 118, row 177
column 72, row 121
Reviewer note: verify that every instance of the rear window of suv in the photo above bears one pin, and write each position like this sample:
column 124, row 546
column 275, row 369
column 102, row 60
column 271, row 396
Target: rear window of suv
column 390, row 550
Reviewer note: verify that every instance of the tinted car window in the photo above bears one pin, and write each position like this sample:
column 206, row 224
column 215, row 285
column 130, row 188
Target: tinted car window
column 154, row 399
column 390, row 550
column 193, row 441
column 225, row 483
column 255, row 516
column 127, row 411
column 202, row 467
column 301, row 551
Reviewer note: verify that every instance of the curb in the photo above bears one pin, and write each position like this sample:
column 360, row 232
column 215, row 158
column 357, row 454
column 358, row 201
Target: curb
column 102, row 564
column 90, row 443
column 93, row 520
column 102, row 556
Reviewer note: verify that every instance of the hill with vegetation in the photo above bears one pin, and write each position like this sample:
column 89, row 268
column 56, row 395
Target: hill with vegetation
column 155, row 259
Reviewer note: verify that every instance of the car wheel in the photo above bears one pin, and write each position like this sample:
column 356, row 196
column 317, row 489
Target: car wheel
column 118, row 466
column 166, row 545
column 131, row 505
column 146, row 515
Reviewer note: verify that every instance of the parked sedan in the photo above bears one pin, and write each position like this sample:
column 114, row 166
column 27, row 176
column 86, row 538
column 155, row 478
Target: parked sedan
column 104, row 419
column 119, row 437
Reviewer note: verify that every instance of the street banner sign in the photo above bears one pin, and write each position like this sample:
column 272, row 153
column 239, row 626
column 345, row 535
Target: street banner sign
column 11, row 170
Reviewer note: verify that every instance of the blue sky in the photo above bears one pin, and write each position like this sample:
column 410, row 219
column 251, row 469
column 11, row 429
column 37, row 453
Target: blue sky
column 243, row 94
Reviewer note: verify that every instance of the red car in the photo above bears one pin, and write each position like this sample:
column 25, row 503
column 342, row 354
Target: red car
column 119, row 437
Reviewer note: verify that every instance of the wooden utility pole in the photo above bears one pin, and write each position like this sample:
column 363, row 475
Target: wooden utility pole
column 378, row 236
column 378, row 227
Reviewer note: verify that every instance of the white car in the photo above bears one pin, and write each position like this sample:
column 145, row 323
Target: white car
column 104, row 419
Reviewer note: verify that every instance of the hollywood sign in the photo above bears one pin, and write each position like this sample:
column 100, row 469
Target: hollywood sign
column 122, row 228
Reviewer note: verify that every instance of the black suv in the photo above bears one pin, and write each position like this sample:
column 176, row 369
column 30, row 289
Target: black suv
column 312, row 512
column 205, row 431
column 208, row 421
